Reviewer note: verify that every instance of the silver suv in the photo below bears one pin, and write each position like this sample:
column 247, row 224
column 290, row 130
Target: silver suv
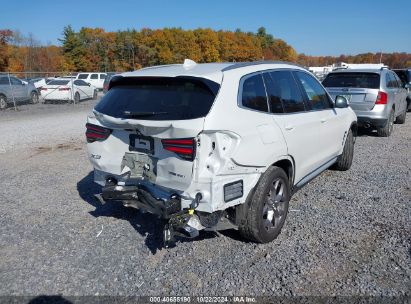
column 13, row 89
column 377, row 96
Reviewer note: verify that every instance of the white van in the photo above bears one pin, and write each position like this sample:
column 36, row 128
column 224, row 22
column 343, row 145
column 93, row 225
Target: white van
column 95, row 79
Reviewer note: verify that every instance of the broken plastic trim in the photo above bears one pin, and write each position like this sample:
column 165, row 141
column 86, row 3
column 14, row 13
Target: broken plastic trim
column 141, row 198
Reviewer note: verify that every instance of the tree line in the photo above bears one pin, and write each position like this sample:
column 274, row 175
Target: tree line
column 94, row 49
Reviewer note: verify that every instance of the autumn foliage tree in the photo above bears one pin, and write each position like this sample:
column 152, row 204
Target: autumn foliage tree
column 5, row 36
column 94, row 49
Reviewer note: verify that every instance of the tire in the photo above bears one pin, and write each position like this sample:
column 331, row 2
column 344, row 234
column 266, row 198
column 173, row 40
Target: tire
column 95, row 95
column 3, row 102
column 268, row 207
column 76, row 97
column 401, row 119
column 389, row 125
column 344, row 161
column 34, row 97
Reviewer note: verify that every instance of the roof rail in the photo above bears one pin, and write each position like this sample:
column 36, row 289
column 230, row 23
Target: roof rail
column 237, row 65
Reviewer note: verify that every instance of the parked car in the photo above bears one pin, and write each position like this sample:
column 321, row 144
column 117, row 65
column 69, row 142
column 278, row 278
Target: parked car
column 405, row 76
column 13, row 89
column 107, row 81
column 67, row 89
column 217, row 145
column 376, row 96
column 38, row 83
column 95, row 79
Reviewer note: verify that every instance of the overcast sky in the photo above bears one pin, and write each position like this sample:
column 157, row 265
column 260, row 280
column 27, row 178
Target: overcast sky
column 312, row 27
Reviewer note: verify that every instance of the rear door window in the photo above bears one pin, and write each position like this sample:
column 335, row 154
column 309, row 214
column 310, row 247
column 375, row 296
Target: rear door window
column 94, row 76
column 287, row 90
column 80, row 83
column 4, row 80
column 274, row 94
column 352, row 80
column 102, row 76
column 390, row 81
column 15, row 81
column 395, row 80
column 315, row 94
column 253, row 94
column 159, row 98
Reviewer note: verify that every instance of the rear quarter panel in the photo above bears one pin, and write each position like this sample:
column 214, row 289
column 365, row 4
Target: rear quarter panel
column 260, row 140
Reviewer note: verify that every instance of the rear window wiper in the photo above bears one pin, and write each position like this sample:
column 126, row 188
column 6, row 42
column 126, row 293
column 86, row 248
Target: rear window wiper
column 142, row 114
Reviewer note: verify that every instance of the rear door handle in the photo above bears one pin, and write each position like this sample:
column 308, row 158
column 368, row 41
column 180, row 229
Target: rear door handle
column 289, row 128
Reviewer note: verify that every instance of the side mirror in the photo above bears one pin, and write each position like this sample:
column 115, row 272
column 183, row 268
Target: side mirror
column 407, row 85
column 89, row 84
column 341, row 102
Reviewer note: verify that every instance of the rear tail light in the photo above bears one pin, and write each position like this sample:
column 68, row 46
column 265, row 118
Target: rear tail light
column 96, row 133
column 382, row 98
column 184, row 147
column 64, row 89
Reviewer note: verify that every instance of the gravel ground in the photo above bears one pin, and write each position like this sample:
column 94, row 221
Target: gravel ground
column 347, row 233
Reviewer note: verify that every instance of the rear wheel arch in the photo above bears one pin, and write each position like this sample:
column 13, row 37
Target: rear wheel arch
column 287, row 164
column 354, row 129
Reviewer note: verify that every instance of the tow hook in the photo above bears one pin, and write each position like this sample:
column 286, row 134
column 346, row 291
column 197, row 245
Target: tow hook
column 196, row 201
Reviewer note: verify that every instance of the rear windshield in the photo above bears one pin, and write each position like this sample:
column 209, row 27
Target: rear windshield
column 352, row 80
column 58, row 82
column 159, row 98
column 82, row 76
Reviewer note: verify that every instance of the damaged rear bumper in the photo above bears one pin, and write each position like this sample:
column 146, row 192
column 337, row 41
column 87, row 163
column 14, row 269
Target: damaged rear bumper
column 140, row 197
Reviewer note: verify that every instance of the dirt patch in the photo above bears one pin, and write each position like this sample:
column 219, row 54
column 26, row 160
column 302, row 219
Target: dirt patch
column 58, row 147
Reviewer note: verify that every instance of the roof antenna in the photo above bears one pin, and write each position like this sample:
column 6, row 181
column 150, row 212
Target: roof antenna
column 188, row 63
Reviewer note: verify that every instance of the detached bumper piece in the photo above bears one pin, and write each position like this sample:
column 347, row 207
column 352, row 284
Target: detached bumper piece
column 140, row 198
column 175, row 220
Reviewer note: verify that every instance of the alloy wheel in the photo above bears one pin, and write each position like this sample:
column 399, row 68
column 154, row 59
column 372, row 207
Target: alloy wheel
column 274, row 208
column 34, row 98
column 3, row 103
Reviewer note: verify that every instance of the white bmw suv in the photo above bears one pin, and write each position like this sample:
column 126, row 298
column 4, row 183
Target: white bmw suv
column 216, row 145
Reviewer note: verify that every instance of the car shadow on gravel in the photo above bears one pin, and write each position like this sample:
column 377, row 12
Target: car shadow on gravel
column 43, row 299
column 146, row 224
column 367, row 132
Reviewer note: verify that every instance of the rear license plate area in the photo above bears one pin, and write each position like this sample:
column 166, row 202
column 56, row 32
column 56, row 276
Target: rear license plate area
column 141, row 165
column 141, row 143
